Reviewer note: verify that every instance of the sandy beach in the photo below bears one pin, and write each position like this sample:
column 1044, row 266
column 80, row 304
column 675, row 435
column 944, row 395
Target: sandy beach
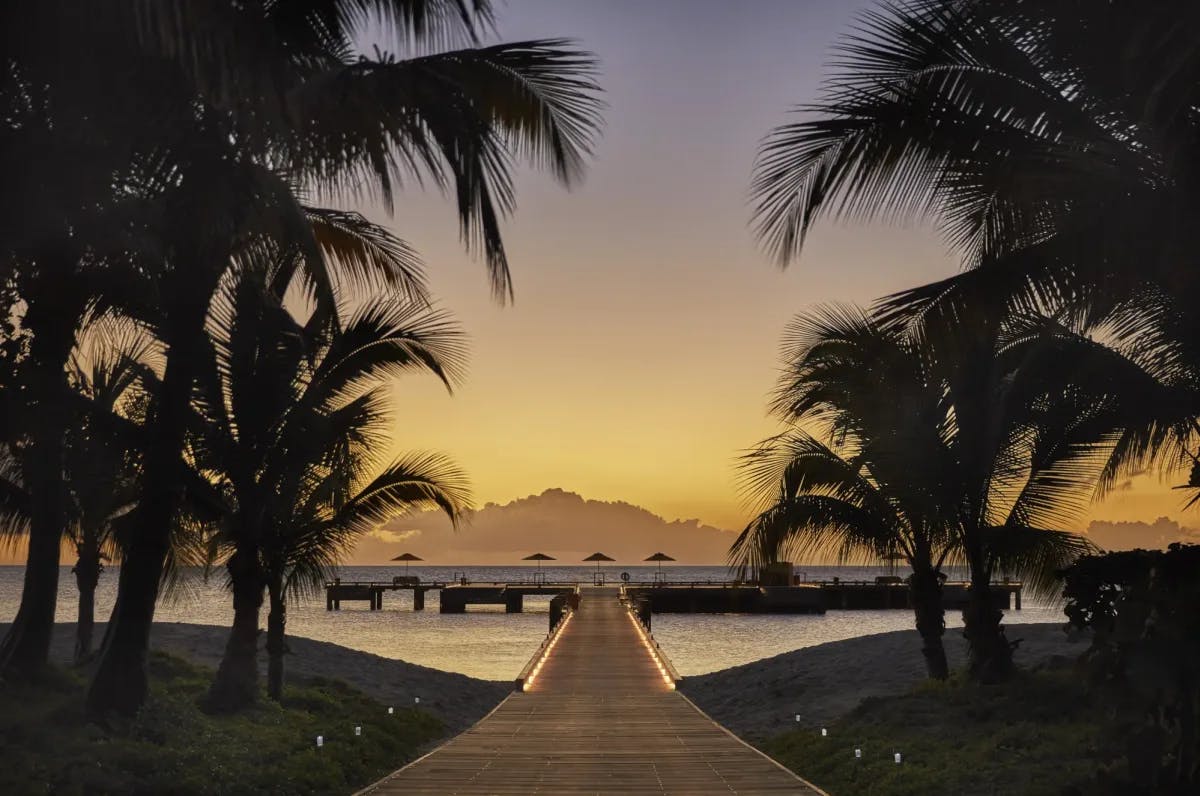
column 821, row 683
column 459, row 701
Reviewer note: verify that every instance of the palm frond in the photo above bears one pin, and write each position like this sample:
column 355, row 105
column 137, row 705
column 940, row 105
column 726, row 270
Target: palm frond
column 1035, row 555
column 368, row 254
column 457, row 118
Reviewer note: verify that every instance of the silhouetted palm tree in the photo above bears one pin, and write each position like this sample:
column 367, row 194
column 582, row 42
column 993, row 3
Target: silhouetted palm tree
column 1054, row 145
column 73, row 99
column 971, row 451
column 337, row 503
column 103, row 456
column 295, row 414
column 277, row 100
column 873, row 490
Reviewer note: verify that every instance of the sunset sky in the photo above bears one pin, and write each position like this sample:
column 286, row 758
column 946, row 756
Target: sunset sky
column 635, row 361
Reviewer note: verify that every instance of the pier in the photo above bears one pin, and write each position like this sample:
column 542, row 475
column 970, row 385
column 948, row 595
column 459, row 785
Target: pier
column 730, row 597
column 455, row 597
column 815, row 597
column 599, row 716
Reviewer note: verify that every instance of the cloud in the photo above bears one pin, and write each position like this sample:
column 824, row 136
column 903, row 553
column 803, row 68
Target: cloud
column 1148, row 535
column 394, row 537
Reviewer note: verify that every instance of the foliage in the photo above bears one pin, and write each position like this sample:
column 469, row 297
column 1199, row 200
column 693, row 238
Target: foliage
column 1036, row 734
column 295, row 417
column 1054, row 144
column 173, row 747
column 1144, row 663
column 966, row 448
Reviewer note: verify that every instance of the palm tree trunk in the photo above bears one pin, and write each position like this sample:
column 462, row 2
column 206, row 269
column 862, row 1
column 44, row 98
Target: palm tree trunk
column 120, row 681
column 276, row 642
column 989, row 653
column 26, row 649
column 925, row 588
column 87, row 576
column 236, row 683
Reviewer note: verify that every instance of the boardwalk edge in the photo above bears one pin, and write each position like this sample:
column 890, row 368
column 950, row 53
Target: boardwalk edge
column 446, row 742
column 753, row 748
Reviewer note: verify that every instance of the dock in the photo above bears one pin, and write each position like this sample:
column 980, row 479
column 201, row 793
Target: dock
column 455, row 597
column 815, row 597
column 729, row 597
column 596, row 713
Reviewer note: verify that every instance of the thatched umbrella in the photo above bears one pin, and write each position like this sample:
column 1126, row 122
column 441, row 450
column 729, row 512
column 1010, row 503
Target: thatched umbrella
column 660, row 557
column 598, row 557
column 539, row 557
column 406, row 557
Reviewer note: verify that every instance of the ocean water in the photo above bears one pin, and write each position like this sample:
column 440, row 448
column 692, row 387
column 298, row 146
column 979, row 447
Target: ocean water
column 486, row 642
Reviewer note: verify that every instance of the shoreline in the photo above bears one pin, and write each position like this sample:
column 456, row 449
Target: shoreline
column 456, row 699
column 755, row 700
column 822, row 683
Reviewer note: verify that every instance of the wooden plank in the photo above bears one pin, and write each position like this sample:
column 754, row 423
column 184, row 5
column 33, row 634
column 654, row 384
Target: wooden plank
column 598, row 719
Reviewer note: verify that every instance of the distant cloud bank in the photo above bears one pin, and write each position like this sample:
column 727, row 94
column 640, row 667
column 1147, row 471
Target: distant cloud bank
column 557, row 522
column 1148, row 535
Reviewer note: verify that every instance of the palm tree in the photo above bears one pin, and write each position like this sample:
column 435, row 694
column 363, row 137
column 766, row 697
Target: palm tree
column 337, row 504
column 1053, row 151
column 70, row 125
column 103, row 466
column 877, row 493
column 110, row 385
column 294, row 411
column 829, row 502
column 276, row 99
column 947, row 451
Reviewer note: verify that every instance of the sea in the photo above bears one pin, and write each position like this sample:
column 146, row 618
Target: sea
column 487, row 643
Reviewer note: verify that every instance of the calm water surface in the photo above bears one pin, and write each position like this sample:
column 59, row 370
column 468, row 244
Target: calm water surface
column 488, row 643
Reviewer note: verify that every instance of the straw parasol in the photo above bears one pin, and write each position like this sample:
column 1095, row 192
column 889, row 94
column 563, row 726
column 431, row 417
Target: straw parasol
column 539, row 557
column 406, row 557
column 598, row 557
column 660, row 557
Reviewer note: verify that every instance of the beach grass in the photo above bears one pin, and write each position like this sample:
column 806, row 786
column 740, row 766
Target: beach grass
column 174, row 747
column 1037, row 734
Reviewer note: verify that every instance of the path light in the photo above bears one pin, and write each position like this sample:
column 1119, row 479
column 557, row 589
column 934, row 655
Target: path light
column 824, row 733
column 858, row 754
column 655, row 655
column 547, row 647
column 416, row 700
column 320, row 741
column 357, row 730
column 797, row 718
column 897, row 757
column 391, row 711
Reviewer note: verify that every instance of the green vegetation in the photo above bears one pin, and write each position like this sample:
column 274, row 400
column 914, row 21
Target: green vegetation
column 1144, row 664
column 174, row 747
column 1034, row 734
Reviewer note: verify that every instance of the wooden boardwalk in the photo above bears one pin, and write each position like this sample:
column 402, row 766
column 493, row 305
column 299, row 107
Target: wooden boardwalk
column 599, row 718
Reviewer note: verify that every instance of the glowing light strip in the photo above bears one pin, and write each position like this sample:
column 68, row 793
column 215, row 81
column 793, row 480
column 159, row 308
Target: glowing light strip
column 547, row 646
column 655, row 654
